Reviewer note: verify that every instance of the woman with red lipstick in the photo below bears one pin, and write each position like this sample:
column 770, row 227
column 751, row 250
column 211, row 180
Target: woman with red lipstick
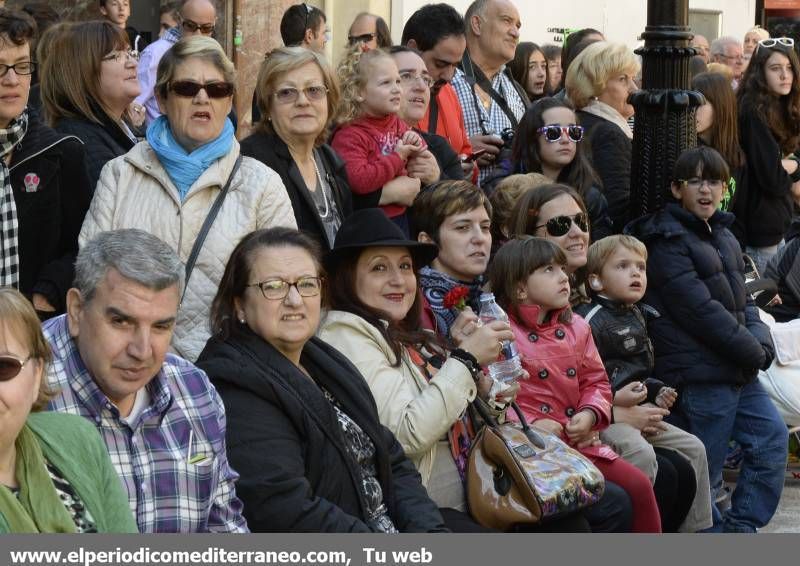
column 769, row 130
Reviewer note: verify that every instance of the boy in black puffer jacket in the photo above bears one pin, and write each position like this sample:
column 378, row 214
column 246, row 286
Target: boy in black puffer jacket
column 617, row 278
column 709, row 342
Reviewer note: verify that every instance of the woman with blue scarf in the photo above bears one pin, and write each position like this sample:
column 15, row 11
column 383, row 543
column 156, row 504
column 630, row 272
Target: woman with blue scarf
column 168, row 184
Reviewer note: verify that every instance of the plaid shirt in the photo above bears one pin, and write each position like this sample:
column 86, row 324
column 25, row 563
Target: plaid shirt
column 167, row 493
column 480, row 122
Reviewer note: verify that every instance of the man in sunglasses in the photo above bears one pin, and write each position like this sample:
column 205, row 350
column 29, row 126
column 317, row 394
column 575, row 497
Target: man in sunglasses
column 161, row 420
column 198, row 17
column 370, row 31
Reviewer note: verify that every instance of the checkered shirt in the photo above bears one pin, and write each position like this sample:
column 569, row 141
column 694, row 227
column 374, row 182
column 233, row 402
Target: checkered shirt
column 480, row 122
column 166, row 492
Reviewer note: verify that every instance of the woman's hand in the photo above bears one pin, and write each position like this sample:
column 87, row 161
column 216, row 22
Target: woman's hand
column 406, row 150
column 647, row 419
column 464, row 325
column 630, row 395
column 549, row 425
column 486, row 341
column 423, row 166
column 579, row 428
column 400, row 190
column 136, row 114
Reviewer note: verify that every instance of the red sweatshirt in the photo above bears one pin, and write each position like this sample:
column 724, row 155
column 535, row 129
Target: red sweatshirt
column 366, row 145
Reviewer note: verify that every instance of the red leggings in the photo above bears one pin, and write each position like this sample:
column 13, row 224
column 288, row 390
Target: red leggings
column 646, row 518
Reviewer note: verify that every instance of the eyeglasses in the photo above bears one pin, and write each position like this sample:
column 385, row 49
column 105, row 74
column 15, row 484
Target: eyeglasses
column 21, row 68
column 694, row 183
column 408, row 78
column 278, row 289
column 553, row 133
column 363, row 38
column 219, row 89
column 773, row 41
column 191, row 27
column 560, row 225
column 289, row 95
column 121, row 55
column 10, row 366
column 738, row 57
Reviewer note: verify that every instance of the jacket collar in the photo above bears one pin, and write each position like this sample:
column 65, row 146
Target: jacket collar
column 38, row 138
column 528, row 315
column 675, row 221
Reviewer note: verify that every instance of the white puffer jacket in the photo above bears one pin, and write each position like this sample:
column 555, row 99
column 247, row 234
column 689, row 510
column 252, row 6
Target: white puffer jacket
column 135, row 191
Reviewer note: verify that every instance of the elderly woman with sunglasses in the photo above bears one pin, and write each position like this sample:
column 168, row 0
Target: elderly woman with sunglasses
column 55, row 472
column 297, row 95
column 188, row 176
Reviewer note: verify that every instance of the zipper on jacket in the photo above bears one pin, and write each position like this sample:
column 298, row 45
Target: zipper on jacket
column 41, row 151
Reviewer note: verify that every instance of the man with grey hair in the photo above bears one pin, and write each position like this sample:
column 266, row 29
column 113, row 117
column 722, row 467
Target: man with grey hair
column 198, row 17
column 700, row 43
column 162, row 421
column 728, row 51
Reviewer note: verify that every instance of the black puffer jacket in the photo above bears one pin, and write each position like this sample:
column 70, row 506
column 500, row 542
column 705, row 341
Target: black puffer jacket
column 52, row 194
column 610, row 151
column 709, row 331
column 283, row 436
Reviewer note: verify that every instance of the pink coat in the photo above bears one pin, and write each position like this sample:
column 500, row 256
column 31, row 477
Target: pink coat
column 566, row 372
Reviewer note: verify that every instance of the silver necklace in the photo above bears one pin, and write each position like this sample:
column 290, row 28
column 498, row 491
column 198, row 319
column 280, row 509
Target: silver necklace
column 325, row 214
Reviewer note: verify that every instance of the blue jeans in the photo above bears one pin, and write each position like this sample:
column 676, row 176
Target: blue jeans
column 719, row 413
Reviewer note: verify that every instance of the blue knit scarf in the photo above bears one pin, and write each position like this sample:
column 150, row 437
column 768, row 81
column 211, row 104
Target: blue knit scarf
column 182, row 167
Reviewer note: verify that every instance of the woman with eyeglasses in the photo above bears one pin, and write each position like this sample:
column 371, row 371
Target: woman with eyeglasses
column 298, row 95
column 303, row 430
column 188, row 182
column 87, row 87
column 769, row 132
column 599, row 82
column 43, row 180
column 549, row 141
column 55, row 473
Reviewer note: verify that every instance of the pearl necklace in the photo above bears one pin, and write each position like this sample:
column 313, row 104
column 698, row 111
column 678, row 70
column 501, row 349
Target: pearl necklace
column 325, row 214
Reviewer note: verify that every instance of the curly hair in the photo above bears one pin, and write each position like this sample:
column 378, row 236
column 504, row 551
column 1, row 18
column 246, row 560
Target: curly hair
column 353, row 72
column 781, row 113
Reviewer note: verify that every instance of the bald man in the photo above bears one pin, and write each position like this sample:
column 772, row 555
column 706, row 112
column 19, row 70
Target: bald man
column 198, row 17
column 700, row 43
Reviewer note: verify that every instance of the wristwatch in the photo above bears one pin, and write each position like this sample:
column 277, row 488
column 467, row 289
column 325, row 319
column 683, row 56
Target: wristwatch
column 469, row 361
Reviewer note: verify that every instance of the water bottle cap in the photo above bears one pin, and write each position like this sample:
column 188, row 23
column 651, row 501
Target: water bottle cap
column 487, row 297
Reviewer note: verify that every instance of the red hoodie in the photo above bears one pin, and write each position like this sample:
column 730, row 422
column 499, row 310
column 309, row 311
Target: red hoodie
column 366, row 145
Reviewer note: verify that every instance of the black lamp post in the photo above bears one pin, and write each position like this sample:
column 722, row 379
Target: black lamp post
column 665, row 107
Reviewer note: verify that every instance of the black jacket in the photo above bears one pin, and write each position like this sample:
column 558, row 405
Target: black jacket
column 620, row 334
column 784, row 269
column 273, row 152
column 103, row 142
column 767, row 210
column 610, row 151
column 446, row 157
column 52, row 195
column 709, row 330
column 284, row 440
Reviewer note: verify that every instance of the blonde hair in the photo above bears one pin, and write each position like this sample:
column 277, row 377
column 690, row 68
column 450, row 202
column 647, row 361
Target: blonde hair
column 759, row 31
column 602, row 249
column 591, row 70
column 281, row 61
column 506, row 195
column 198, row 46
column 353, row 74
column 720, row 69
column 19, row 318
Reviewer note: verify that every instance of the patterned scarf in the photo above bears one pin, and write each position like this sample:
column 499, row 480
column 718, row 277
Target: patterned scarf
column 435, row 286
column 9, row 224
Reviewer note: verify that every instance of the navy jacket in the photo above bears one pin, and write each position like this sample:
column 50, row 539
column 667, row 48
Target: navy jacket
column 709, row 330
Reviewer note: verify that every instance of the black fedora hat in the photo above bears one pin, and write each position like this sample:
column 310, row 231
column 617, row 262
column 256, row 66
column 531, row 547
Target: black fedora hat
column 370, row 227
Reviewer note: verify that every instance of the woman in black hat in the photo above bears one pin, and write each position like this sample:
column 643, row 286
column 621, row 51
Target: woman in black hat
column 422, row 389
column 303, row 431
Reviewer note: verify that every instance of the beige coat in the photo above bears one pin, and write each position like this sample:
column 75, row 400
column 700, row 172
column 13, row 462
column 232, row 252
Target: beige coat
column 418, row 412
column 135, row 191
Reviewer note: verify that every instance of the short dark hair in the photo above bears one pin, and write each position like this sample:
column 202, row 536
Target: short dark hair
column 17, row 26
column 703, row 162
column 297, row 19
column 431, row 24
column 442, row 200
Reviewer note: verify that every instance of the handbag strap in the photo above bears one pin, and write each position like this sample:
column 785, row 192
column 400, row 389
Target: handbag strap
column 204, row 229
column 491, row 422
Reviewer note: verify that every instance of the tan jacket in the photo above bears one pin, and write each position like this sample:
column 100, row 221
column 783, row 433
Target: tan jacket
column 135, row 191
column 418, row 412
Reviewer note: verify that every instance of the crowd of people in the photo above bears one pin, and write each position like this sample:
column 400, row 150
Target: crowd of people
column 207, row 334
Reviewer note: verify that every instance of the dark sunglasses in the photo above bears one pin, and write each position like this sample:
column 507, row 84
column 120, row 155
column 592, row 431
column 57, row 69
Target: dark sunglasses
column 191, row 27
column 560, row 225
column 219, row 89
column 553, row 133
column 363, row 38
column 10, row 367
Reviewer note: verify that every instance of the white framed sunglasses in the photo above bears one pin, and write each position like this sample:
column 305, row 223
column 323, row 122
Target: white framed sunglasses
column 773, row 41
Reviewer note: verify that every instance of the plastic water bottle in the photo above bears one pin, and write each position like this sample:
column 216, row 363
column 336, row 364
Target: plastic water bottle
column 508, row 366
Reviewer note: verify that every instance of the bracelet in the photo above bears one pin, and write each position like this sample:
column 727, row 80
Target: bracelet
column 469, row 361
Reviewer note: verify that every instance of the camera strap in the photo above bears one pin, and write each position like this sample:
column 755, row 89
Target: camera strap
column 475, row 75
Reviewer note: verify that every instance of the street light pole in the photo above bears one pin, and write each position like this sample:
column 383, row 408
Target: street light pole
column 665, row 107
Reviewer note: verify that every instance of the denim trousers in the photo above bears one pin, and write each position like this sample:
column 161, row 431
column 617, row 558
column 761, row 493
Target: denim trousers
column 719, row 413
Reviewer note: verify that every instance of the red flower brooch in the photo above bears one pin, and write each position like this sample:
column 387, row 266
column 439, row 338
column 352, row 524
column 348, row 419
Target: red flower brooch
column 456, row 298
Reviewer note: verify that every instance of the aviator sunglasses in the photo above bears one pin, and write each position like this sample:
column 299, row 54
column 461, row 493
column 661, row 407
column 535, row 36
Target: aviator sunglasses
column 10, row 366
column 220, row 89
column 560, row 225
column 553, row 133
